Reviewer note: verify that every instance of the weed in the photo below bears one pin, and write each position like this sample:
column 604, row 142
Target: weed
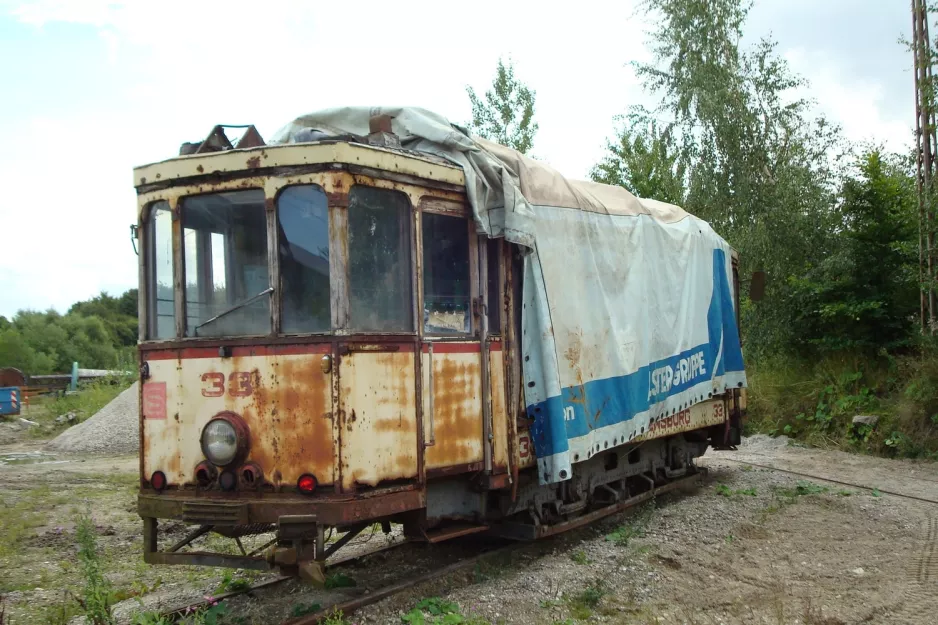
column 150, row 618
column 339, row 580
column 335, row 618
column 729, row 538
column 587, row 600
column 231, row 584
column 437, row 611
column 90, row 398
column 623, row 535
column 579, row 557
column 875, row 492
column 95, row 601
column 725, row 491
column 302, row 609
column 844, row 493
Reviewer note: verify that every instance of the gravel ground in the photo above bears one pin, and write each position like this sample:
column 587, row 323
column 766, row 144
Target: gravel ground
column 113, row 430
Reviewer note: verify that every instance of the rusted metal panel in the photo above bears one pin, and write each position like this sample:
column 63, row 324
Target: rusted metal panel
column 284, row 399
column 269, row 507
column 457, row 404
column 378, row 420
column 499, row 407
column 189, row 166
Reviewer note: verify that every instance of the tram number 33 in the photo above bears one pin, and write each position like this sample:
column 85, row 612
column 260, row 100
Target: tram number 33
column 239, row 384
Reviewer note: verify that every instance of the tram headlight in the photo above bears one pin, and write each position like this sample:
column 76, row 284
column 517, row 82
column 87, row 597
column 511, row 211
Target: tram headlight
column 224, row 439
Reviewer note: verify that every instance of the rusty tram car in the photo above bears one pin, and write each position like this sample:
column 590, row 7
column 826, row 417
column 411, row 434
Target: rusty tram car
column 326, row 343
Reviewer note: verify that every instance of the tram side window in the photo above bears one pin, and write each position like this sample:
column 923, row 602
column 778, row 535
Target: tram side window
column 379, row 264
column 446, row 306
column 225, row 247
column 162, row 300
column 303, row 229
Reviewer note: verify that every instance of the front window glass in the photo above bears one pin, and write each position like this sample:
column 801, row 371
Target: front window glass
column 303, row 229
column 445, row 274
column 225, row 247
column 379, row 266
column 162, row 302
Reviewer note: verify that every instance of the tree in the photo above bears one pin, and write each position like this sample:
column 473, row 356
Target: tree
column 762, row 166
column 864, row 295
column 506, row 113
column 646, row 161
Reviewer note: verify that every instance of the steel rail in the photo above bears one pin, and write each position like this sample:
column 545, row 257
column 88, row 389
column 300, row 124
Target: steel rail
column 832, row 480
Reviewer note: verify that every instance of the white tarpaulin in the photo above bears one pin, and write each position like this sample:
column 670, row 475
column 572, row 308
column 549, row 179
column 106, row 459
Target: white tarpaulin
column 628, row 303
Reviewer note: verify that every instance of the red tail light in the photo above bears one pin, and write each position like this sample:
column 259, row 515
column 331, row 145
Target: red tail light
column 158, row 480
column 306, row 484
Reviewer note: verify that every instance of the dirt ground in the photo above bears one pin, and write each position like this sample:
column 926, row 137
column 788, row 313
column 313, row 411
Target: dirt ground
column 747, row 545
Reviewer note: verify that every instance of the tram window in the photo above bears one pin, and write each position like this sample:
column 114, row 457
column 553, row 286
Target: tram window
column 225, row 247
column 494, row 292
column 162, row 308
column 445, row 274
column 303, row 229
column 379, row 265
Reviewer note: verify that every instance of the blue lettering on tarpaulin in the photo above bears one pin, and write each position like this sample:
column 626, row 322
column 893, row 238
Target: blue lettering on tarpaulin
column 620, row 398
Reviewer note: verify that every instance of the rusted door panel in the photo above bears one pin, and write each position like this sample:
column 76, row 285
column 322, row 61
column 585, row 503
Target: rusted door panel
column 499, row 409
column 378, row 417
column 456, row 386
column 281, row 393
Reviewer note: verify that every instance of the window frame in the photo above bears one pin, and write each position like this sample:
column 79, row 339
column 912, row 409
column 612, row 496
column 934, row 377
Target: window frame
column 335, row 263
column 179, row 269
column 341, row 222
column 439, row 206
column 149, row 269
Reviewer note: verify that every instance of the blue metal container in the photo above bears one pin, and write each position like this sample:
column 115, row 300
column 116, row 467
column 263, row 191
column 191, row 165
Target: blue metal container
column 9, row 400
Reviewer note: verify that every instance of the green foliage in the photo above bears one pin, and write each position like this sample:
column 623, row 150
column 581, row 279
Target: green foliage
column 864, row 294
column 302, row 609
column 816, row 401
column 725, row 491
column 339, row 580
column 91, row 397
column 505, row 114
column 580, row 557
column 230, row 583
column 583, row 603
column 645, row 160
column 98, row 334
column 95, row 600
column 437, row 611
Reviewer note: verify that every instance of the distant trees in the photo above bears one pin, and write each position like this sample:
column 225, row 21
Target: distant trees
column 99, row 333
column 505, row 114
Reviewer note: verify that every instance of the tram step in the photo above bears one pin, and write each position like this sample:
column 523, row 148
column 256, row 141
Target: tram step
column 452, row 531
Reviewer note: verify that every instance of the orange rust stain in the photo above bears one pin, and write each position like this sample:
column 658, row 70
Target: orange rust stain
column 457, row 418
column 293, row 432
column 254, row 162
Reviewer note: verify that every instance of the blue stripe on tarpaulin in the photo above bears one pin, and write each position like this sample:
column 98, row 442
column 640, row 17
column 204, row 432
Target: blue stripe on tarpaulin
column 601, row 403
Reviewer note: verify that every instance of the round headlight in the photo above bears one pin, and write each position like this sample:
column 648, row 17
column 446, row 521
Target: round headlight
column 220, row 442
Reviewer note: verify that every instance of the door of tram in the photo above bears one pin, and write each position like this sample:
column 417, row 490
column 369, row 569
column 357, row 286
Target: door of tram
column 376, row 381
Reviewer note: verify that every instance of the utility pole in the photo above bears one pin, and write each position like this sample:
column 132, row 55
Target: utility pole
column 927, row 148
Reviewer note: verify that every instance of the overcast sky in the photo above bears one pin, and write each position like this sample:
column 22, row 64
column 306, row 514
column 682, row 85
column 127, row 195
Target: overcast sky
column 92, row 88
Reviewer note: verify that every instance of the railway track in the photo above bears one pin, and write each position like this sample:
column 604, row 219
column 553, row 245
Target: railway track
column 835, row 481
column 482, row 550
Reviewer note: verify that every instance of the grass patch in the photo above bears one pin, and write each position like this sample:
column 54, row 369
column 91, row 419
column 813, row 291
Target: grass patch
column 623, row 535
column 579, row 557
column 90, row 398
column 437, row 611
column 815, row 402
column 584, row 603
column 725, row 491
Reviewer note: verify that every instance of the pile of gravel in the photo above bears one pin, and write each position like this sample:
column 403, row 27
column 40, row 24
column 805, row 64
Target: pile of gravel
column 113, row 430
column 761, row 443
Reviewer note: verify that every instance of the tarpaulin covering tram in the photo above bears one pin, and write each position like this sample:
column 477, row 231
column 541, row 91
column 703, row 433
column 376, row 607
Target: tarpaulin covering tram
column 628, row 309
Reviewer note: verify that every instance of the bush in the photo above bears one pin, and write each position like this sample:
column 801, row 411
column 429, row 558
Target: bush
column 816, row 402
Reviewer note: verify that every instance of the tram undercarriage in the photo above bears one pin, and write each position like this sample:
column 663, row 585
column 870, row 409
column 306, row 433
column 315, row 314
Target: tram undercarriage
column 607, row 483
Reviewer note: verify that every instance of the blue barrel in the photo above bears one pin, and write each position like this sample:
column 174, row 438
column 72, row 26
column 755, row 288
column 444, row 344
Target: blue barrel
column 9, row 400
